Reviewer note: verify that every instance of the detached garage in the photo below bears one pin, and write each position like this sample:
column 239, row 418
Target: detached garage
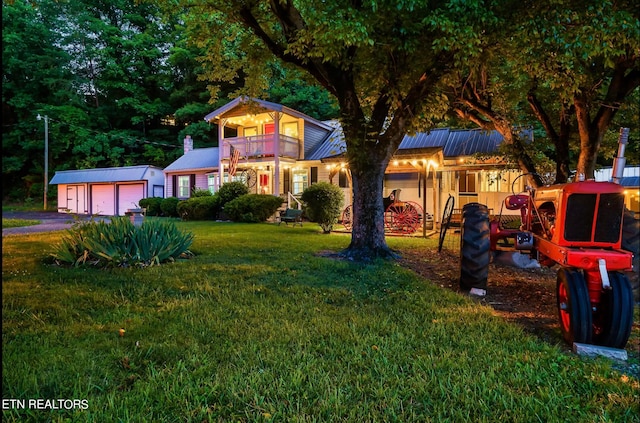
column 109, row 191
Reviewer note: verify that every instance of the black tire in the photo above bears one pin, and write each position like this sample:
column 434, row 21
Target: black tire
column 474, row 247
column 614, row 317
column 631, row 242
column 574, row 307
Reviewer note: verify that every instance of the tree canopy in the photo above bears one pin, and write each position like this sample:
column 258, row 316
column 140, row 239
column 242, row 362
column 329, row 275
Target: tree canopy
column 391, row 67
column 122, row 83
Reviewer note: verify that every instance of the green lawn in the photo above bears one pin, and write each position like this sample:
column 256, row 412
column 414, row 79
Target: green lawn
column 260, row 327
column 16, row 223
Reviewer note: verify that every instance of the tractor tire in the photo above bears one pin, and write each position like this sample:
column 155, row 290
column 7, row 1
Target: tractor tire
column 474, row 247
column 574, row 307
column 614, row 317
column 631, row 242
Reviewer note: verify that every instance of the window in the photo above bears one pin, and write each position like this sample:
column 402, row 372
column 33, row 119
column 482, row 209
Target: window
column 251, row 131
column 184, row 186
column 290, row 129
column 238, row 177
column 300, row 180
column 211, row 183
column 493, row 181
column 343, row 181
column 467, row 181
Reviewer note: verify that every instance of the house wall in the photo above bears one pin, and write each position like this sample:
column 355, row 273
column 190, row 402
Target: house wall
column 73, row 198
column 100, row 198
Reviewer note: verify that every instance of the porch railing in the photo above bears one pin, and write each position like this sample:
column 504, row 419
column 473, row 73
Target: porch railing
column 291, row 199
column 256, row 146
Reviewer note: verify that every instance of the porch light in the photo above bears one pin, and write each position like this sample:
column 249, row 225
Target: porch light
column 414, row 162
column 433, row 164
column 395, row 163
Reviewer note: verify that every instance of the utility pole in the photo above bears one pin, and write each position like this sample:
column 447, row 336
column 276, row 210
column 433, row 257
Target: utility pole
column 46, row 157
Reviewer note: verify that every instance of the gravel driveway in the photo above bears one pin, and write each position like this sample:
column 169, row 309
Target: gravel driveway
column 49, row 221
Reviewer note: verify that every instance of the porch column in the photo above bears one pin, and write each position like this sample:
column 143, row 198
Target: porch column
column 424, row 198
column 221, row 123
column 276, row 154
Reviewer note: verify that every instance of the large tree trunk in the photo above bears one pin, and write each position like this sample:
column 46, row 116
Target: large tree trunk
column 367, row 237
column 559, row 138
column 590, row 139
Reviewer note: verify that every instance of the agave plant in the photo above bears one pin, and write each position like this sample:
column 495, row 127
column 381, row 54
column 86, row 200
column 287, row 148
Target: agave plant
column 118, row 243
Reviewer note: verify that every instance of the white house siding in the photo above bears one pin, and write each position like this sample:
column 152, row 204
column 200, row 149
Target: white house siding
column 72, row 198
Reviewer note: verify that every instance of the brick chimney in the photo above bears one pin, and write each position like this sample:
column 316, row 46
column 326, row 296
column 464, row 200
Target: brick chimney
column 188, row 144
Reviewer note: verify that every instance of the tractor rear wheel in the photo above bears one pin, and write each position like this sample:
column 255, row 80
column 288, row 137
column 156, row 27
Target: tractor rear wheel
column 574, row 307
column 474, row 247
column 613, row 320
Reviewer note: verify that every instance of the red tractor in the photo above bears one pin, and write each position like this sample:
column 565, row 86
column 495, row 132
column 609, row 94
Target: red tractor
column 577, row 226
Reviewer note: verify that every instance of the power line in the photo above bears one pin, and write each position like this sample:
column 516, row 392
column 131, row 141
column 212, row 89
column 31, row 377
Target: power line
column 122, row 137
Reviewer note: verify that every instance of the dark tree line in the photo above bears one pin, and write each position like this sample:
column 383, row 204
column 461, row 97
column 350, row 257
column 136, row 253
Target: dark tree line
column 120, row 86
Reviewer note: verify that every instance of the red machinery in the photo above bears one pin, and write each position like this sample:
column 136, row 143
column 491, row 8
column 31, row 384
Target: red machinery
column 577, row 226
column 400, row 217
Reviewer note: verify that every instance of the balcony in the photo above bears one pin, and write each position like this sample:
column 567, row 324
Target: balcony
column 260, row 146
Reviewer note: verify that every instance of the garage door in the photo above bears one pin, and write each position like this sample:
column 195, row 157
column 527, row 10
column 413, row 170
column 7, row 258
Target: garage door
column 129, row 196
column 103, row 200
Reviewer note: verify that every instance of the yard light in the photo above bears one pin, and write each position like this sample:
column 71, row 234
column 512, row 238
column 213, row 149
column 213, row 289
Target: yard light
column 46, row 156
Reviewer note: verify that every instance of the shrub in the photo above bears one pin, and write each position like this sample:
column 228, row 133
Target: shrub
column 152, row 204
column 169, row 207
column 199, row 208
column 252, row 207
column 119, row 243
column 231, row 191
column 199, row 192
column 323, row 204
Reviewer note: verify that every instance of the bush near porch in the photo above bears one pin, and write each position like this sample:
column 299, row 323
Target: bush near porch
column 264, row 327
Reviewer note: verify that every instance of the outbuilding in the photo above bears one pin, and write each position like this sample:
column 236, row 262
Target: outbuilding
column 107, row 191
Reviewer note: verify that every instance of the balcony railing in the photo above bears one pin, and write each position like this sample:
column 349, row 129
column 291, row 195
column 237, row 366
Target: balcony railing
column 257, row 146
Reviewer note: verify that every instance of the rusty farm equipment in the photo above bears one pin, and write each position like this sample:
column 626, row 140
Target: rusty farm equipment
column 578, row 226
column 400, row 217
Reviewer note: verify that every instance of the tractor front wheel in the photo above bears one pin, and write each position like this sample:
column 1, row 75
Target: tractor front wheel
column 614, row 317
column 474, row 247
column 574, row 307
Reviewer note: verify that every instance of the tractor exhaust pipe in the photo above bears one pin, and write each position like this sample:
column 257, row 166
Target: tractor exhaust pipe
column 618, row 163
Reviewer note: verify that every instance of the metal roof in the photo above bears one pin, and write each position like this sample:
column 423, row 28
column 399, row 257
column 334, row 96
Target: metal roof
column 453, row 142
column 467, row 142
column 200, row 158
column 630, row 181
column 110, row 174
column 333, row 145
column 433, row 138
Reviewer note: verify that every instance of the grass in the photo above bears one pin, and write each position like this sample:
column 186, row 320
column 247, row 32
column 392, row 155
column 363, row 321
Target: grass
column 17, row 223
column 260, row 327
